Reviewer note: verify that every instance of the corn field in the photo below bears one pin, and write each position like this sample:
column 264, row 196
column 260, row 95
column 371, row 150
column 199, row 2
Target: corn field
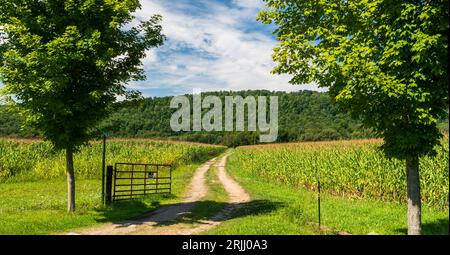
column 346, row 168
column 35, row 160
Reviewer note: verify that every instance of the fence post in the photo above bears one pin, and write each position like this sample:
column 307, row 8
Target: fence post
column 103, row 169
column 109, row 173
column 318, row 197
column 170, row 187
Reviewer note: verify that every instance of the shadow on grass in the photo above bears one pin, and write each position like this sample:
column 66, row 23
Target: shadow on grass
column 130, row 209
column 219, row 211
column 189, row 213
column 438, row 227
column 136, row 209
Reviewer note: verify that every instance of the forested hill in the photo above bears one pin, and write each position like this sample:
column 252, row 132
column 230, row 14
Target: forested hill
column 303, row 116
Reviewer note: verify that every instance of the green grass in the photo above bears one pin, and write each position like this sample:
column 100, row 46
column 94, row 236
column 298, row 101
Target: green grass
column 33, row 186
column 210, row 205
column 215, row 200
column 282, row 209
column 347, row 168
column 40, row 207
column 35, row 160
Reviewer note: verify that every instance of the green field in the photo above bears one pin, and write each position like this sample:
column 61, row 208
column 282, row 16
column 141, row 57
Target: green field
column 362, row 192
column 29, row 160
column 33, row 193
column 282, row 209
column 350, row 169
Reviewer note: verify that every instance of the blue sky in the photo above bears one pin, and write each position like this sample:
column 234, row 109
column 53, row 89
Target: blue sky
column 211, row 45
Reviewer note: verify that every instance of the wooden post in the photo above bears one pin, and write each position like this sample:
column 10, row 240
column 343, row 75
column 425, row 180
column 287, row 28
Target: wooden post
column 109, row 174
column 157, row 177
column 318, row 197
column 103, row 169
column 170, row 187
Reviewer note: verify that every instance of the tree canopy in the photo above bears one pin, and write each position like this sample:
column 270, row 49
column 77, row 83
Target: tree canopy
column 63, row 63
column 385, row 61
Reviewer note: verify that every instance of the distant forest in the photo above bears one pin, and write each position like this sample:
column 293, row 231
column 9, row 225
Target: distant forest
column 303, row 116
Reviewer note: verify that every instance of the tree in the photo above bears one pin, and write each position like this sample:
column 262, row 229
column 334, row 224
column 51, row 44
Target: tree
column 64, row 63
column 384, row 61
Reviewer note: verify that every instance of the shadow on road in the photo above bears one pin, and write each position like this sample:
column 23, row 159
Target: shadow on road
column 189, row 213
column 220, row 211
column 131, row 209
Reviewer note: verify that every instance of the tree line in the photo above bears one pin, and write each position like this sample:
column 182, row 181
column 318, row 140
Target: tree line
column 303, row 116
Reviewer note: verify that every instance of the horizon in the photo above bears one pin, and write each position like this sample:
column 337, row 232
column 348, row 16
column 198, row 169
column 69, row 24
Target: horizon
column 237, row 91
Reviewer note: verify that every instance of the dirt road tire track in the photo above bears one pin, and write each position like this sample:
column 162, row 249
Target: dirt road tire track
column 155, row 222
column 237, row 197
column 197, row 190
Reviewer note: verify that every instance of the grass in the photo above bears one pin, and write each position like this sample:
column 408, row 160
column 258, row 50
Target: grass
column 215, row 200
column 33, row 186
column 354, row 168
column 282, row 209
column 39, row 207
column 35, row 160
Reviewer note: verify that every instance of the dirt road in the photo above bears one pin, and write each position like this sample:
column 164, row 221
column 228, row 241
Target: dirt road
column 155, row 223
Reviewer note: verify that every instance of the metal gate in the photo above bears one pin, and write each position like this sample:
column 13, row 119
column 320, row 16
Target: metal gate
column 134, row 180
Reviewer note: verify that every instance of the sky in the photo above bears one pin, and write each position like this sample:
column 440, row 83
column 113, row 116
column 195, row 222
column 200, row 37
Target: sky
column 211, row 45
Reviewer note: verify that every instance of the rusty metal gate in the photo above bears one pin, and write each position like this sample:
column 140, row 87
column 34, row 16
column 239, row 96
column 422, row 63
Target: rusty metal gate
column 134, row 180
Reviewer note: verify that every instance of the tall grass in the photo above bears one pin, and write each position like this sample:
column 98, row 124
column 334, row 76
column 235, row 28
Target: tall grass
column 347, row 168
column 36, row 160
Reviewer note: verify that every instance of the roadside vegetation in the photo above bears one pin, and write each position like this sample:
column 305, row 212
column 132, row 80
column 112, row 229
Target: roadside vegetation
column 347, row 168
column 358, row 196
column 35, row 160
column 32, row 201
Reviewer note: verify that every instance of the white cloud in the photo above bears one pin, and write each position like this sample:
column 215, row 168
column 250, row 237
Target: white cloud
column 151, row 57
column 215, row 47
column 250, row 4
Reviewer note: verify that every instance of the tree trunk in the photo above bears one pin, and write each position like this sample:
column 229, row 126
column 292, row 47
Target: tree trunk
column 70, row 181
column 414, row 203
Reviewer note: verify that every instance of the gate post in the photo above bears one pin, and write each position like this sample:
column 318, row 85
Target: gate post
column 109, row 173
